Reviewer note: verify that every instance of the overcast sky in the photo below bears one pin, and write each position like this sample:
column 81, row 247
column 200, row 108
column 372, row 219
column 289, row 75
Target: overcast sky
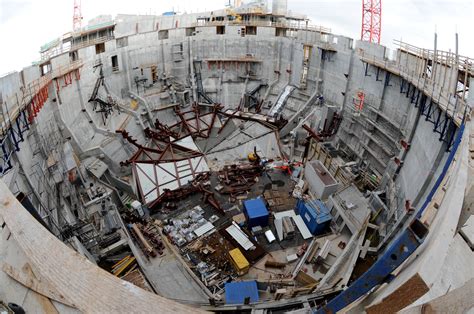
column 25, row 25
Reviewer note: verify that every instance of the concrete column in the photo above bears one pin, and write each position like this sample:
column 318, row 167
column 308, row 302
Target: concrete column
column 349, row 77
column 470, row 97
column 191, row 70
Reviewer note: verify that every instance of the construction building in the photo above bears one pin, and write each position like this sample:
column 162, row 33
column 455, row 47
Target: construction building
column 235, row 160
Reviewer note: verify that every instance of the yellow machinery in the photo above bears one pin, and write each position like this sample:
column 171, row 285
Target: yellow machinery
column 252, row 157
column 239, row 262
column 233, row 16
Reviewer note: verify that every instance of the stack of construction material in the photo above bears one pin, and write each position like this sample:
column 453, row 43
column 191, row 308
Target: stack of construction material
column 142, row 241
column 128, row 262
column 239, row 179
column 278, row 200
column 182, row 229
column 148, row 238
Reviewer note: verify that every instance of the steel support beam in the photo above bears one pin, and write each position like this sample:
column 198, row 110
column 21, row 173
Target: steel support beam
column 418, row 98
column 409, row 88
column 387, row 79
column 402, row 85
column 377, row 75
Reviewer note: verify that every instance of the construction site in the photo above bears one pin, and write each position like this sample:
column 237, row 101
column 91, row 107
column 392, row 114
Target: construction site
column 239, row 160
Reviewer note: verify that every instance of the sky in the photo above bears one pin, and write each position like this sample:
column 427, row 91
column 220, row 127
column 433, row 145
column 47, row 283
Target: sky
column 25, row 25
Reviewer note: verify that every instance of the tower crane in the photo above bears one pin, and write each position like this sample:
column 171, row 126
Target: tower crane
column 371, row 21
column 77, row 16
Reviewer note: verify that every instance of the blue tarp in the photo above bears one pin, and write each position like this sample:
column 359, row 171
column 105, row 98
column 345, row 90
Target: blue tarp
column 256, row 212
column 236, row 292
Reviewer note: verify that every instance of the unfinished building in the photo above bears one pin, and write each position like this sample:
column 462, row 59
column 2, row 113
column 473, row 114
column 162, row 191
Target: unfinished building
column 235, row 160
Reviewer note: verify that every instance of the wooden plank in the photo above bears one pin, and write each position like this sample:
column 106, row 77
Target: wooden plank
column 305, row 279
column 405, row 295
column 459, row 300
column 29, row 281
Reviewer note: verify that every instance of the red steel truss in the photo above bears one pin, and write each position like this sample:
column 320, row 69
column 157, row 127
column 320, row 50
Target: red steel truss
column 77, row 16
column 371, row 20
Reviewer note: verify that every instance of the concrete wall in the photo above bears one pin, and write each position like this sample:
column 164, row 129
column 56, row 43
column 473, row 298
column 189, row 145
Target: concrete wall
column 335, row 71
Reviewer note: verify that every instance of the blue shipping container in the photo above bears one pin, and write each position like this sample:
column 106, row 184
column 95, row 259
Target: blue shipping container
column 256, row 212
column 236, row 292
column 315, row 215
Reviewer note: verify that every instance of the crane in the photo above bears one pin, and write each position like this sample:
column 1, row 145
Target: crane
column 371, row 20
column 77, row 16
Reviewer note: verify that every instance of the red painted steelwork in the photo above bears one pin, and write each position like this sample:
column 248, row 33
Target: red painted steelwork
column 371, row 20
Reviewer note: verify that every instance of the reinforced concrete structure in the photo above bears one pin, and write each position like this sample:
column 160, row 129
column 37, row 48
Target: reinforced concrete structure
column 129, row 149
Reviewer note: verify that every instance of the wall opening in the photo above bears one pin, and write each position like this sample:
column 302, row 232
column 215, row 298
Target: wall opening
column 73, row 56
column 45, row 68
column 163, row 34
column 220, row 30
column 251, row 30
column 280, row 32
column 154, row 74
column 419, row 229
column 306, row 60
column 190, row 31
column 115, row 65
column 99, row 48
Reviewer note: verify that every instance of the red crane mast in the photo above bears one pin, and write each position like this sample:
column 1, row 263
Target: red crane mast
column 371, row 20
column 77, row 16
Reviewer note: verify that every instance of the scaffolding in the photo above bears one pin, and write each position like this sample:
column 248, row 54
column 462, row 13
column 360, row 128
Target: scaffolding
column 442, row 76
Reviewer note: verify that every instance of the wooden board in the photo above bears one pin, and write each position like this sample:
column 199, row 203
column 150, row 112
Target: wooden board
column 405, row 295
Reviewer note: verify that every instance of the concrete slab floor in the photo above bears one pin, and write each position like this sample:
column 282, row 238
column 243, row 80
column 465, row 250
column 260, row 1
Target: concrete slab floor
column 172, row 281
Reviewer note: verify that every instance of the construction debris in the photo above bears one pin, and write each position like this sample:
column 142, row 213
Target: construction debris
column 239, row 179
column 274, row 264
column 148, row 239
column 122, row 265
column 138, row 279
